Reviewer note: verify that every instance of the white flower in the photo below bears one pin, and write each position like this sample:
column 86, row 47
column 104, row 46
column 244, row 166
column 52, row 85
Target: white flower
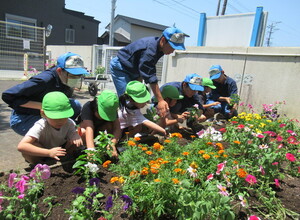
column 93, row 167
column 192, row 171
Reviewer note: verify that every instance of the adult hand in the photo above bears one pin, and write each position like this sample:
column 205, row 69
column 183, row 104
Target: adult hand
column 163, row 108
column 57, row 152
column 216, row 103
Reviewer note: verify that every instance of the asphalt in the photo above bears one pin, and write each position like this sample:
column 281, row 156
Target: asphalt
column 10, row 157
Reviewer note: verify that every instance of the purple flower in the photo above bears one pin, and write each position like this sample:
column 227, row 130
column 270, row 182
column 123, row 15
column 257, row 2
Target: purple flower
column 42, row 171
column 78, row 190
column 127, row 200
column 11, row 179
column 21, row 185
column 94, row 181
column 21, row 196
column 109, row 203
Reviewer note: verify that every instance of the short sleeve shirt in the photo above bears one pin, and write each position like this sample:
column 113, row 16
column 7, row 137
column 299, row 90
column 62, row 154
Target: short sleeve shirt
column 131, row 117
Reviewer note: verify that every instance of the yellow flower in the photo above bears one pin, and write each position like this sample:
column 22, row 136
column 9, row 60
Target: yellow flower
column 225, row 155
column 262, row 125
column 175, row 180
column 114, row 179
column 121, row 180
column 201, row 151
column 177, row 170
column 206, row 156
column 194, row 165
column 106, row 163
column 221, row 151
column 158, row 146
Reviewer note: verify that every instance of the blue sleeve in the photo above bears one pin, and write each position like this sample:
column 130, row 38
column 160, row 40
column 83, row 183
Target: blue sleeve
column 232, row 87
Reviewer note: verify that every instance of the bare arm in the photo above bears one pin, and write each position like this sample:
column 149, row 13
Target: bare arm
column 151, row 125
column 162, row 105
column 29, row 146
column 32, row 104
column 89, row 133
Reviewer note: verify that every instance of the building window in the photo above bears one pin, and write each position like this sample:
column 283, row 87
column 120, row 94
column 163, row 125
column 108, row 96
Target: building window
column 70, row 36
column 20, row 27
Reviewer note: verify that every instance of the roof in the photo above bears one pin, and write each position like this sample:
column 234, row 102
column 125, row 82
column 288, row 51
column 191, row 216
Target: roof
column 119, row 37
column 81, row 15
column 140, row 23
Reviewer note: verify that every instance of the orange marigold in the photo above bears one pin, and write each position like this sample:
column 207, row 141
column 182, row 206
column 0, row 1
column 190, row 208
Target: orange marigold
column 144, row 148
column 206, row 156
column 106, row 163
column 193, row 136
column 137, row 138
column 194, row 165
column 185, row 153
column 114, row 179
column 148, row 152
column 235, row 162
column 237, row 142
column 177, row 170
column 131, row 143
column 167, row 141
column 221, row 151
column 209, row 143
column 175, row 180
column 216, row 156
column 154, row 171
column 179, row 160
column 176, row 135
column 225, row 155
column 201, row 151
column 220, row 146
column 145, row 171
column 241, row 173
column 157, row 180
column 121, row 179
column 158, row 146
column 133, row 173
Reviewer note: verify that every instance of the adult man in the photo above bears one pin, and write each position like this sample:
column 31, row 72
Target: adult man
column 189, row 89
column 226, row 91
column 137, row 61
column 26, row 98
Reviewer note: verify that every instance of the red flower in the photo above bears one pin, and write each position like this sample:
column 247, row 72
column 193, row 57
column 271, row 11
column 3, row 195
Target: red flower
column 234, row 122
column 290, row 157
column 292, row 140
column 223, row 130
column 241, row 126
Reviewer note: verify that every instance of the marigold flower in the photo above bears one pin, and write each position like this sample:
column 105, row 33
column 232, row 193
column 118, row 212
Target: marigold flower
column 193, row 136
column 206, row 156
column 121, row 179
column 144, row 171
column 114, row 179
column 137, row 138
column 148, row 152
column 237, row 142
column 144, row 148
column 158, row 146
column 106, row 163
column 133, row 173
column 139, row 145
column 216, row 156
column 179, row 160
column 157, row 180
column 176, row 135
column 241, row 173
column 175, row 180
column 167, row 141
column 209, row 143
column 154, row 171
column 131, row 143
column 185, row 153
column 220, row 146
column 221, row 151
column 225, row 155
column 235, row 162
column 194, row 165
column 201, row 151
column 177, row 170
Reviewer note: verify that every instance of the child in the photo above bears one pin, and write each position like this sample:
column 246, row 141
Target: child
column 100, row 115
column 171, row 95
column 135, row 97
column 48, row 135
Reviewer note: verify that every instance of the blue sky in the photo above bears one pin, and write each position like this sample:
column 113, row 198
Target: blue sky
column 186, row 13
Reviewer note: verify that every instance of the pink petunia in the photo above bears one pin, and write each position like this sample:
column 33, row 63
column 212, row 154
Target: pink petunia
column 291, row 132
column 210, row 177
column 279, row 138
column 280, row 146
column 260, row 136
column 220, row 167
column 223, row 190
column 292, row 140
column 1, row 200
column 277, row 184
column 40, row 171
column 251, row 179
column 21, row 196
column 271, row 133
column 11, row 179
column 275, row 163
column 282, row 125
column 254, row 217
column 21, row 185
column 290, row 157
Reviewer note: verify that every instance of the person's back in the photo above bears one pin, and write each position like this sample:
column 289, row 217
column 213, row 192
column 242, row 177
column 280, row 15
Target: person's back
column 52, row 135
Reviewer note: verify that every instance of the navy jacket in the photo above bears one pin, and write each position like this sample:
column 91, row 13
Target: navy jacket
column 34, row 89
column 140, row 57
column 182, row 104
column 225, row 90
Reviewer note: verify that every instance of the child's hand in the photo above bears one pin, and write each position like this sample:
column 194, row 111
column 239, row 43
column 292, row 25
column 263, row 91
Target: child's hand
column 77, row 142
column 57, row 152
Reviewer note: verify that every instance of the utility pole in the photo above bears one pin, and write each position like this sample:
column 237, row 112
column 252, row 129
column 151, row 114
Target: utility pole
column 111, row 27
column 272, row 28
column 218, row 8
column 224, row 7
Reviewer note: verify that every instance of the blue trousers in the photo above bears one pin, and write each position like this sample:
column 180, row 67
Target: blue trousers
column 21, row 123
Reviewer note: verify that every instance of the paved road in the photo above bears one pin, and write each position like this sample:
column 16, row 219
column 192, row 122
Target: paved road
column 10, row 158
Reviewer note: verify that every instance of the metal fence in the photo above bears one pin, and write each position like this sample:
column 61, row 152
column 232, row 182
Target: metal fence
column 104, row 54
column 22, row 48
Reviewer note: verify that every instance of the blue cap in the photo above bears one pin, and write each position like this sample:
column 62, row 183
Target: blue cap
column 72, row 63
column 194, row 81
column 175, row 37
column 215, row 72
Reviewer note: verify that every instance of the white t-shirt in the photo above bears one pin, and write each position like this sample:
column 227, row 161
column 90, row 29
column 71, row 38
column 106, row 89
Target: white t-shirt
column 50, row 137
column 132, row 118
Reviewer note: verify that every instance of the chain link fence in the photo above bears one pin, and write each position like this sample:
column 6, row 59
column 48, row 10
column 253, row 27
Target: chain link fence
column 22, row 48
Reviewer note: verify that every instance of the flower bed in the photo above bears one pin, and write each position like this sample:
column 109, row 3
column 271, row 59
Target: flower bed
column 248, row 170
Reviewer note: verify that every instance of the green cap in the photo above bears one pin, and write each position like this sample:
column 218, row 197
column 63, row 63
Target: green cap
column 171, row 92
column 56, row 105
column 108, row 104
column 137, row 91
column 208, row 82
